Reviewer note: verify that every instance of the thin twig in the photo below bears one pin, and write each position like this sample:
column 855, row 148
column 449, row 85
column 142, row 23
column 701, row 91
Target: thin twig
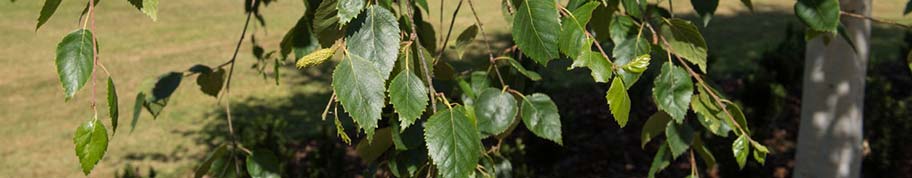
column 484, row 36
column 94, row 55
column 424, row 66
column 446, row 40
column 859, row 16
column 227, row 93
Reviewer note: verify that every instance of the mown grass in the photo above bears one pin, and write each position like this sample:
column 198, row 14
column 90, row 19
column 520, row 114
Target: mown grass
column 38, row 125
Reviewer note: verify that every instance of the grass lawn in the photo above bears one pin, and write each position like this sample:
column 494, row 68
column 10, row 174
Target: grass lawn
column 38, row 125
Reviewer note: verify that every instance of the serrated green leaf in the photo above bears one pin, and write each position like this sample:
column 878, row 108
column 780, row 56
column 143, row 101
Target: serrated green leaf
column 453, row 142
column 638, row 65
column 634, row 8
column 91, row 140
column 618, row 101
column 465, row 38
column 760, row 152
column 679, row 137
column 672, row 91
column 629, row 43
column 705, row 9
column 541, row 117
column 148, row 7
column 740, row 148
column 738, row 115
column 536, row 28
column 685, row 41
column 370, row 150
column 409, row 97
column 263, row 164
column 360, row 91
column 534, row 76
column 819, row 15
column 315, row 58
column 74, row 61
column 661, row 160
column 573, row 38
column 349, row 9
column 708, row 114
column 704, row 153
column 50, row 6
column 203, row 169
column 210, row 83
column 374, row 35
column 113, row 110
column 653, row 127
column 495, row 110
column 600, row 67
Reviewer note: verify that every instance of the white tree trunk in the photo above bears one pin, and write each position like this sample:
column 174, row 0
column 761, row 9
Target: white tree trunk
column 830, row 135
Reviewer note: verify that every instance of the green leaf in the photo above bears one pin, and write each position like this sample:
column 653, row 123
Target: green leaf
column 573, row 38
column 760, row 152
column 705, row 9
column 113, row 110
column 638, row 65
column 740, row 148
column 409, row 97
column 679, row 137
column 634, row 8
column 326, row 23
column 360, row 91
column 207, row 163
column 349, row 9
column 453, row 142
column 673, row 90
column 263, row 164
column 540, row 115
column 704, row 153
column 600, row 67
column 909, row 58
column 661, row 160
column 629, row 44
column 210, row 83
column 653, row 127
column 738, row 115
column 370, row 150
column 137, row 109
column 534, row 76
column 819, row 15
column 685, row 41
column 618, row 101
column 536, row 28
column 710, row 115
column 495, row 110
column 75, row 61
column 375, row 36
column 91, row 142
column 148, row 7
column 315, row 58
column 480, row 82
column 465, row 38
column 50, row 6
column 299, row 39
column 600, row 24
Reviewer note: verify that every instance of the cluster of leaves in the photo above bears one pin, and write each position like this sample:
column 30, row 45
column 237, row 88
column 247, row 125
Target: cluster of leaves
column 387, row 62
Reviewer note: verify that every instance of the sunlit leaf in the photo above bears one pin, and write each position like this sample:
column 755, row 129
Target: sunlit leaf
column 91, row 140
column 600, row 67
column 541, row 117
column 360, row 91
column 618, row 101
column 740, row 148
column 74, row 61
column 819, row 15
column 673, row 90
column 148, row 7
column 685, row 41
column 374, row 36
column 573, row 38
column 349, row 9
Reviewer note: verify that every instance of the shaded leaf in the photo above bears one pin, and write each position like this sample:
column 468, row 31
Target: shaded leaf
column 536, row 28
column 661, row 160
column 672, row 91
column 263, row 164
column 203, row 169
column 157, row 95
column 50, row 6
column 495, row 110
column 299, row 39
column 91, row 140
column 540, row 115
column 819, row 15
column 465, row 38
column 326, row 23
column 685, row 41
column 573, row 38
column 618, row 101
column 360, row 91
column 453, row 142
column 409, row 97
column 74, row 61
column 534, row 76
column 113, row 110
column 137, row 109
column 375, row 36
column 370, row 150
column 653, row 127
column 706, row 8
column 628, row 44
column 679, row 137
column 704, row 152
